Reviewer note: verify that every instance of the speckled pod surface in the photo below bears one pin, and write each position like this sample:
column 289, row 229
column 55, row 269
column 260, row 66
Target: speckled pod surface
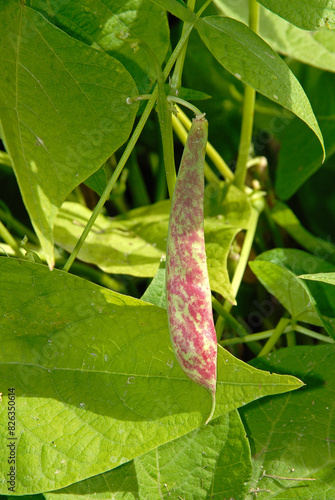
column 188, row 292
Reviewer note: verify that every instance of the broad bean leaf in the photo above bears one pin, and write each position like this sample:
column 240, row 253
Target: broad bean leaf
column 279, row 269
column 134, row 32
column 286, row 219
column 95, row 378
column 135, row 242
column 293, row 436
column 63, row 111
column 212, row 461
column 314, row 48
column 299, row 156
column 306, row 15
column 252, row 60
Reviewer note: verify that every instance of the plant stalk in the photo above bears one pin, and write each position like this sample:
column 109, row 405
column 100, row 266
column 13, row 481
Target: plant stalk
column 277, row 332
column 248, row 111
column 178, row 70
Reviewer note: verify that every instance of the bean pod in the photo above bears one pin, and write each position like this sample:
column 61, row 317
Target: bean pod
column 188, row 292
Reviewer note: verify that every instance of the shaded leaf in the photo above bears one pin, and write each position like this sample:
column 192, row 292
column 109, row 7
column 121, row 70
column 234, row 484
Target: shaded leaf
column 233, row 43
column 286, row 219
column 63, row 111
column 299, row 157
column 95, row 378
column 294, row 435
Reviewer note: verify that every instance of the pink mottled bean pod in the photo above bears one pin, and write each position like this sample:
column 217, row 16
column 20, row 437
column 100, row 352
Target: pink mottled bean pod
column 188, row 292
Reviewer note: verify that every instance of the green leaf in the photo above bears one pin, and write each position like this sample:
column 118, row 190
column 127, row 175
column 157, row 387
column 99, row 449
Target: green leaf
column 135, row 242
column 313, row 48
column 279, row 271
column 156, row 292
column 134, row 32
column 294, row 435
column 95, row 378
column 286, row 219
column 213, row 460
column 233, row 43
column 305, row 15
column 283, row 284
column 63, row 111
column 299, row 156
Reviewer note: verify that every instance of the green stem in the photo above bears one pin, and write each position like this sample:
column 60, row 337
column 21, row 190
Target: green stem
column 230, row 320
column 130, row 146
column 204, row 7
column 182, row 134
column 218, row 161
column 244, row 256
column 277, row 332
column 172, row 98
column 252, row 337
column 8, row 238
column 248, row 111
column 178, row 70
column 165, row 123
column 314, row 335
column 290, row 338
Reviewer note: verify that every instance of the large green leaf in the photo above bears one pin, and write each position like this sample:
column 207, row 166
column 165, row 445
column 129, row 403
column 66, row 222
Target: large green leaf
column 299, row 156
column 253, row 61
column 314, row 48
column 135, row 242
column 63, row 111
column 133, row 32
column 294, row 435
column 211, row 462
column 306, row 15
column 95, row 378
column 312, row 302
